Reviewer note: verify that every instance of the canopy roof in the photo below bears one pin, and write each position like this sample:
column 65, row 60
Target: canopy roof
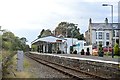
column 50, row 39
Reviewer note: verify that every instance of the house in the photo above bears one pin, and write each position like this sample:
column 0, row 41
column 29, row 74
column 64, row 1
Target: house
column 102, row 33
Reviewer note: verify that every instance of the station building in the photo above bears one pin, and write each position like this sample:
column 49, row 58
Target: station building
column 51, row 44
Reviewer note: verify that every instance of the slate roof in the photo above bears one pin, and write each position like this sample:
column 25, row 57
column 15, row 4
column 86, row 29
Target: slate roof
column 104, row 26
column 50, row 39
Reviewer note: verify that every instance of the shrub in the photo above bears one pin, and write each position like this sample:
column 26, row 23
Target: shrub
column 34, row 47
column 116, row 49
column 100, row 52
column 75, row 52
column 82, row 52
column 88, row 52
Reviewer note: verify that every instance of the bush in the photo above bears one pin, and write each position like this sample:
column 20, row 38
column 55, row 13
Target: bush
column 82, row 52
column 7, row 61
column 116, row 49
column 88, row 52
column 75, row 52
column 58, row 51
column 100, row 52
column 34, row 47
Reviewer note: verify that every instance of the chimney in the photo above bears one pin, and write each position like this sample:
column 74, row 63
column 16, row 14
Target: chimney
column 90, row 21
column 106, row 20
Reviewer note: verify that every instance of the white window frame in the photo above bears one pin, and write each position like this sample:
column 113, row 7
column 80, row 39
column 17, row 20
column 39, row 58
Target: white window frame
column 107, row 37
column 100, row 35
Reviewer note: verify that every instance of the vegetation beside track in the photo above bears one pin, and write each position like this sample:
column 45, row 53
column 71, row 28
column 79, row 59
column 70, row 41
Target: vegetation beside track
column 10, row 45
column 10, row 67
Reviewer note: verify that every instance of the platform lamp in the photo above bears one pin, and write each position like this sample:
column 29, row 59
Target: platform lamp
column 111, row 24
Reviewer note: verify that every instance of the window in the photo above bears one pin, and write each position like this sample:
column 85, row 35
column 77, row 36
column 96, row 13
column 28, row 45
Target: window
column 117, row 35
column 107, row 43
column 96, row 42
column 96, row 35
column 100, row 35
column 107, row 36
column 100, row 42
column 113, row 33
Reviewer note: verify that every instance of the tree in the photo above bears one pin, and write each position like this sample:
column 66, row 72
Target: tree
column 34, row 47
column 7, row 45
column 8, row 40
column 81, row 37
column 41, row 33
column 27, row 47
column 17, row 44
column 44, row 33
column 23, row 40
column 68, row 30
column 12, row 42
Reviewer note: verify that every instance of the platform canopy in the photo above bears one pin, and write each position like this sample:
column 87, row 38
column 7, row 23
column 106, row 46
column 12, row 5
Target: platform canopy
column 50, row 39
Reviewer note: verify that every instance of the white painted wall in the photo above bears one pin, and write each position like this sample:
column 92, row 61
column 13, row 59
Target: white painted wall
column 62, row 47
column 79, row 46
column 69, row 43
column 43, row 48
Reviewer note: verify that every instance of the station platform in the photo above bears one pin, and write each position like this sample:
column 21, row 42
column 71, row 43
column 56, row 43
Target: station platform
column 105, row 59
column 105, row 66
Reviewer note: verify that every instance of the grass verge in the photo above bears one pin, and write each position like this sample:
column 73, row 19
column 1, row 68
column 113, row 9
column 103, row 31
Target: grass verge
column 10, row 68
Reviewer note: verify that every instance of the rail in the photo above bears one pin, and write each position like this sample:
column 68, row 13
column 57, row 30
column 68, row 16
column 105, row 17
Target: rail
column 77, row 74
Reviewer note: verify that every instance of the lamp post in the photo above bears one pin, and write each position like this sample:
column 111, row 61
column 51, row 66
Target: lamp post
column 72, row 34
column 111, row 24
column 67, row 30
column 73, row 31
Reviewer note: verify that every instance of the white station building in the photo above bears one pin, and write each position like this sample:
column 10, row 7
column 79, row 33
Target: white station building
column 51, row 44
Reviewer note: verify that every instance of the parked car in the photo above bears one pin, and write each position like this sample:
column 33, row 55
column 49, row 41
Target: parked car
column 94, row 52
column 105, row 49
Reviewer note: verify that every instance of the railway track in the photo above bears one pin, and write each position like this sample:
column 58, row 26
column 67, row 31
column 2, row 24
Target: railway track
column 73, row 73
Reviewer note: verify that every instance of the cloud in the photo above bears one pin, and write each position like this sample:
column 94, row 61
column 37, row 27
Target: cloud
column 31, row 16
column 101, row 1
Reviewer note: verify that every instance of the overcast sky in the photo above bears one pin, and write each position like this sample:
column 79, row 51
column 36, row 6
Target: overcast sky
column 26, row 18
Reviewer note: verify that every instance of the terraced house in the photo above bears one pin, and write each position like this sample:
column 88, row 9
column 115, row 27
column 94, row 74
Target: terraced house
column 102, row 33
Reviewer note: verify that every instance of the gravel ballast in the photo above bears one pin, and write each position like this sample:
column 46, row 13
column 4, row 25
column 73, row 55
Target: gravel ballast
column 41, row 71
